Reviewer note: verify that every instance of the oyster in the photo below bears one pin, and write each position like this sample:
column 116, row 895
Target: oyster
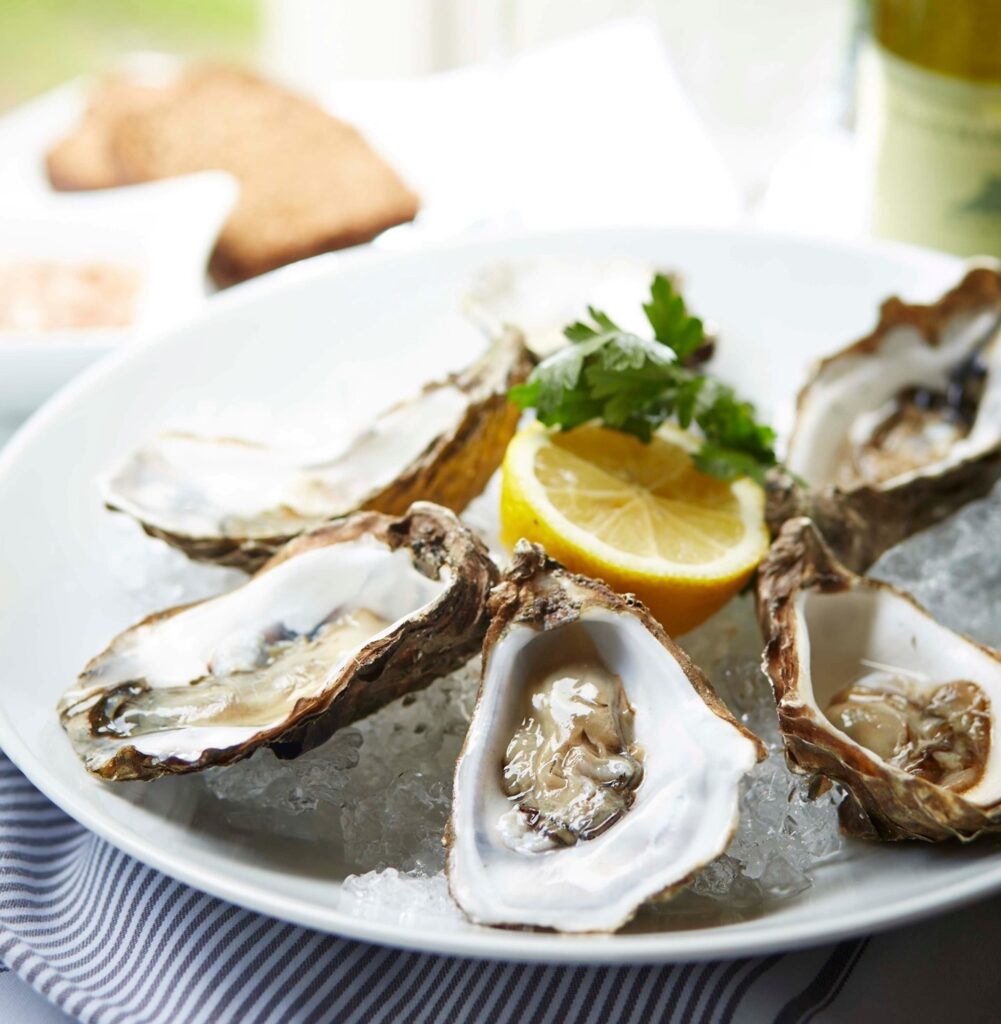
column 340, row 622
column 901, row 428
column 873, row 693
column 541, row 295
column 599, row 770
column 236, row 502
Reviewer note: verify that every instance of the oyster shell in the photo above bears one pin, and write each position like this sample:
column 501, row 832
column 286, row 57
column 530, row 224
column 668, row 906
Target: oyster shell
column 873, row 693
column 541, row 295
column 340, row 622
column 236, row 502
column 901, row 428
column 599, row 770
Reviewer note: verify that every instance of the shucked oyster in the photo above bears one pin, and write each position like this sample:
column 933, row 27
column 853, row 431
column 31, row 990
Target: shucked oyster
column 600, row 769
column 875, row 694
column 898, row 430
column 235, row 502
column 340, row 622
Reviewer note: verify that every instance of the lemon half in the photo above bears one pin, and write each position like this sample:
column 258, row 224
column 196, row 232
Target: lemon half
column 639, row 516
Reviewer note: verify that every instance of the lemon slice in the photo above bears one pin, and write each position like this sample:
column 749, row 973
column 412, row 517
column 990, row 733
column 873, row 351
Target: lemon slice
column 639, row 516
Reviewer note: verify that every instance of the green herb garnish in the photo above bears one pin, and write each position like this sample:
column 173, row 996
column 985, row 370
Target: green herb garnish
column 634, row 384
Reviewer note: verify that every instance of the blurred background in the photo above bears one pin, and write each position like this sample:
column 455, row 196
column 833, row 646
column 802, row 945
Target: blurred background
column 779, row 87
column 832, row 118
column 760, row 75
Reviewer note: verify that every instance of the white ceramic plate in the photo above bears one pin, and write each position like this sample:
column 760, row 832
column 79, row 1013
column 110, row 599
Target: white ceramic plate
column 348, row 336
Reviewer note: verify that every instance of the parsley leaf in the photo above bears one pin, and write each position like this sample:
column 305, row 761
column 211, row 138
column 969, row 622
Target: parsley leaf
column 634, row 384
column 672, row 326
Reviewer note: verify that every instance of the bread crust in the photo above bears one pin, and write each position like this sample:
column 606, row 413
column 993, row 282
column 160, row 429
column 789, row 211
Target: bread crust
column 309, row 182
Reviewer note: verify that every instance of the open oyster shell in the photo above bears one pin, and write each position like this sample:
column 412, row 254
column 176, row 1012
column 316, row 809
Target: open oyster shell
column 236, row 502
column 636, row 784
column 865, row 654
column 541, row 295
column 901, row 428
column 340, row 622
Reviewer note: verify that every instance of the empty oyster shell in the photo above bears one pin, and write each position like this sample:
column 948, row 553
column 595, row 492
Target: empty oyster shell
column 873, row 693
column 340, row 622
column 236, row 502
column 901, row 428
column 599, row 770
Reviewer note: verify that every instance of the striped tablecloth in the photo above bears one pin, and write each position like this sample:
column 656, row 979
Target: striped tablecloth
column 108, row 940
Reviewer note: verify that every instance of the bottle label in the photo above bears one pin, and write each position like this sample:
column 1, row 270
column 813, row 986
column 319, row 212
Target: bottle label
column 935, row 146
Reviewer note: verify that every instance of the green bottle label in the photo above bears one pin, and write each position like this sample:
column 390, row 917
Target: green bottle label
column 935, row 145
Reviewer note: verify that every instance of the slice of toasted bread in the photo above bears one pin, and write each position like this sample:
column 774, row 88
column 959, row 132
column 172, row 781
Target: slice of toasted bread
column 83, row 159
column 309, row 182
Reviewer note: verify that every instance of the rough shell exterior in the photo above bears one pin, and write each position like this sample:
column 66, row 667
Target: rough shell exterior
column 861, row 523
column 882, row 802
column 420, row 649
column 451, row 471
column 456, row 467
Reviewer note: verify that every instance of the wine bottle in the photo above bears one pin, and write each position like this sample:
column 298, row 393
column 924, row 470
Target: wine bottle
column 930, row 118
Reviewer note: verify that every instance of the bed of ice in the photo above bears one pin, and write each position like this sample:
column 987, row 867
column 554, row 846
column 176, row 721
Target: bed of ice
column 954, row 570
column 377, row 793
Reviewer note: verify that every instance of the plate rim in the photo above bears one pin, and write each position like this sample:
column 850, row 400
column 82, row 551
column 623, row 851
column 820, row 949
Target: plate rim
column 738, row 940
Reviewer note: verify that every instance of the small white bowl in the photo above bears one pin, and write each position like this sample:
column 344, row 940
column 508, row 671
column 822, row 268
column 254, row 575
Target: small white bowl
column 164, row 230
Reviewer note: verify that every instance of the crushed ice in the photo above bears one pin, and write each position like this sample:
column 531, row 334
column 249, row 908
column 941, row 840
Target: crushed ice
column 404, row 898
column 153, row 575
column 953, row 570
column 782, row 834
column 379, row 791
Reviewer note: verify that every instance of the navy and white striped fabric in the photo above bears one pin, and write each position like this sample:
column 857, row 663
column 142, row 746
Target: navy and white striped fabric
column 111, row 941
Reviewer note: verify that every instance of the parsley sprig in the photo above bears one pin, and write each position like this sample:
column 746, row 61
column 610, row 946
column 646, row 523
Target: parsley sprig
column 634, row 384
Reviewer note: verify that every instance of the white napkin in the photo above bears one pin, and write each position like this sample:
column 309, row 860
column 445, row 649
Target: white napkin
column 593, row 131
column 818, row 187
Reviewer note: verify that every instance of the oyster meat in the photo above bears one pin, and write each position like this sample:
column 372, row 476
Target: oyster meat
column 901, row 428
column 341, row 621
column 873, row 693
column 599, row 770
column 236, row 502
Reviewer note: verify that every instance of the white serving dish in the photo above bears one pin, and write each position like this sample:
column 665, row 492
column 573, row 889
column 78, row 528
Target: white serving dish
column 321, row 338
column 164, row 230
